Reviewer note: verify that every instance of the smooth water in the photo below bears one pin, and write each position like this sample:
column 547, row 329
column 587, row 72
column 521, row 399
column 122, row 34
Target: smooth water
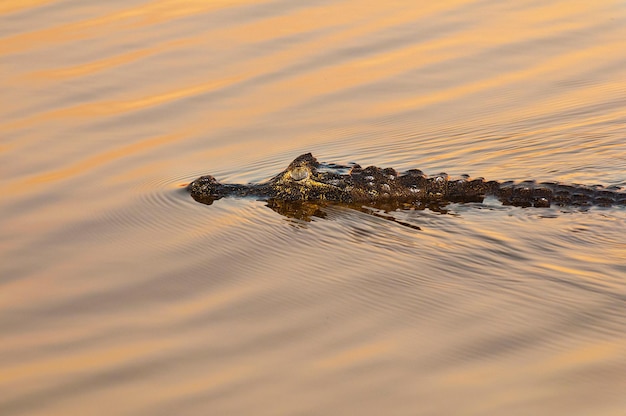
column 121, row 295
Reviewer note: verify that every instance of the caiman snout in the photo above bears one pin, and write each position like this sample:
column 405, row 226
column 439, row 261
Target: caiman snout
column 204, row 186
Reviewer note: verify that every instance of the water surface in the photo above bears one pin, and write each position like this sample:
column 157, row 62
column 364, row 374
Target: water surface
column 121, row 295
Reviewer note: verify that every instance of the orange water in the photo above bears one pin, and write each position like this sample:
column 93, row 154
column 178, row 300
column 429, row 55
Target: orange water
column 121, row 295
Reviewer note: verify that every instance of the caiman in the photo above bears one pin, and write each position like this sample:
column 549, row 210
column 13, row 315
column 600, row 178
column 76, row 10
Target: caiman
column 306, row 180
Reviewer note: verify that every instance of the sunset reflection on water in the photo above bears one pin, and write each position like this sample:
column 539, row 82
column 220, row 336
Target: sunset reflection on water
column 119, row 294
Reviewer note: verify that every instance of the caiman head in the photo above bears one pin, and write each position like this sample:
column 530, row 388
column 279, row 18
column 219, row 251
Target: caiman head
column 301, row 181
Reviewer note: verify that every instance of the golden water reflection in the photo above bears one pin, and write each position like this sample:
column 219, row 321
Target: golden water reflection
column 119, row 294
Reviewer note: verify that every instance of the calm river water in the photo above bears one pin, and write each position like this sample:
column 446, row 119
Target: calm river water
column 120, row 295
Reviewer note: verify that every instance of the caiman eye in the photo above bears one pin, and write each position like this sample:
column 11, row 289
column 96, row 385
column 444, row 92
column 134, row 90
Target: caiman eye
column 299, row 173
